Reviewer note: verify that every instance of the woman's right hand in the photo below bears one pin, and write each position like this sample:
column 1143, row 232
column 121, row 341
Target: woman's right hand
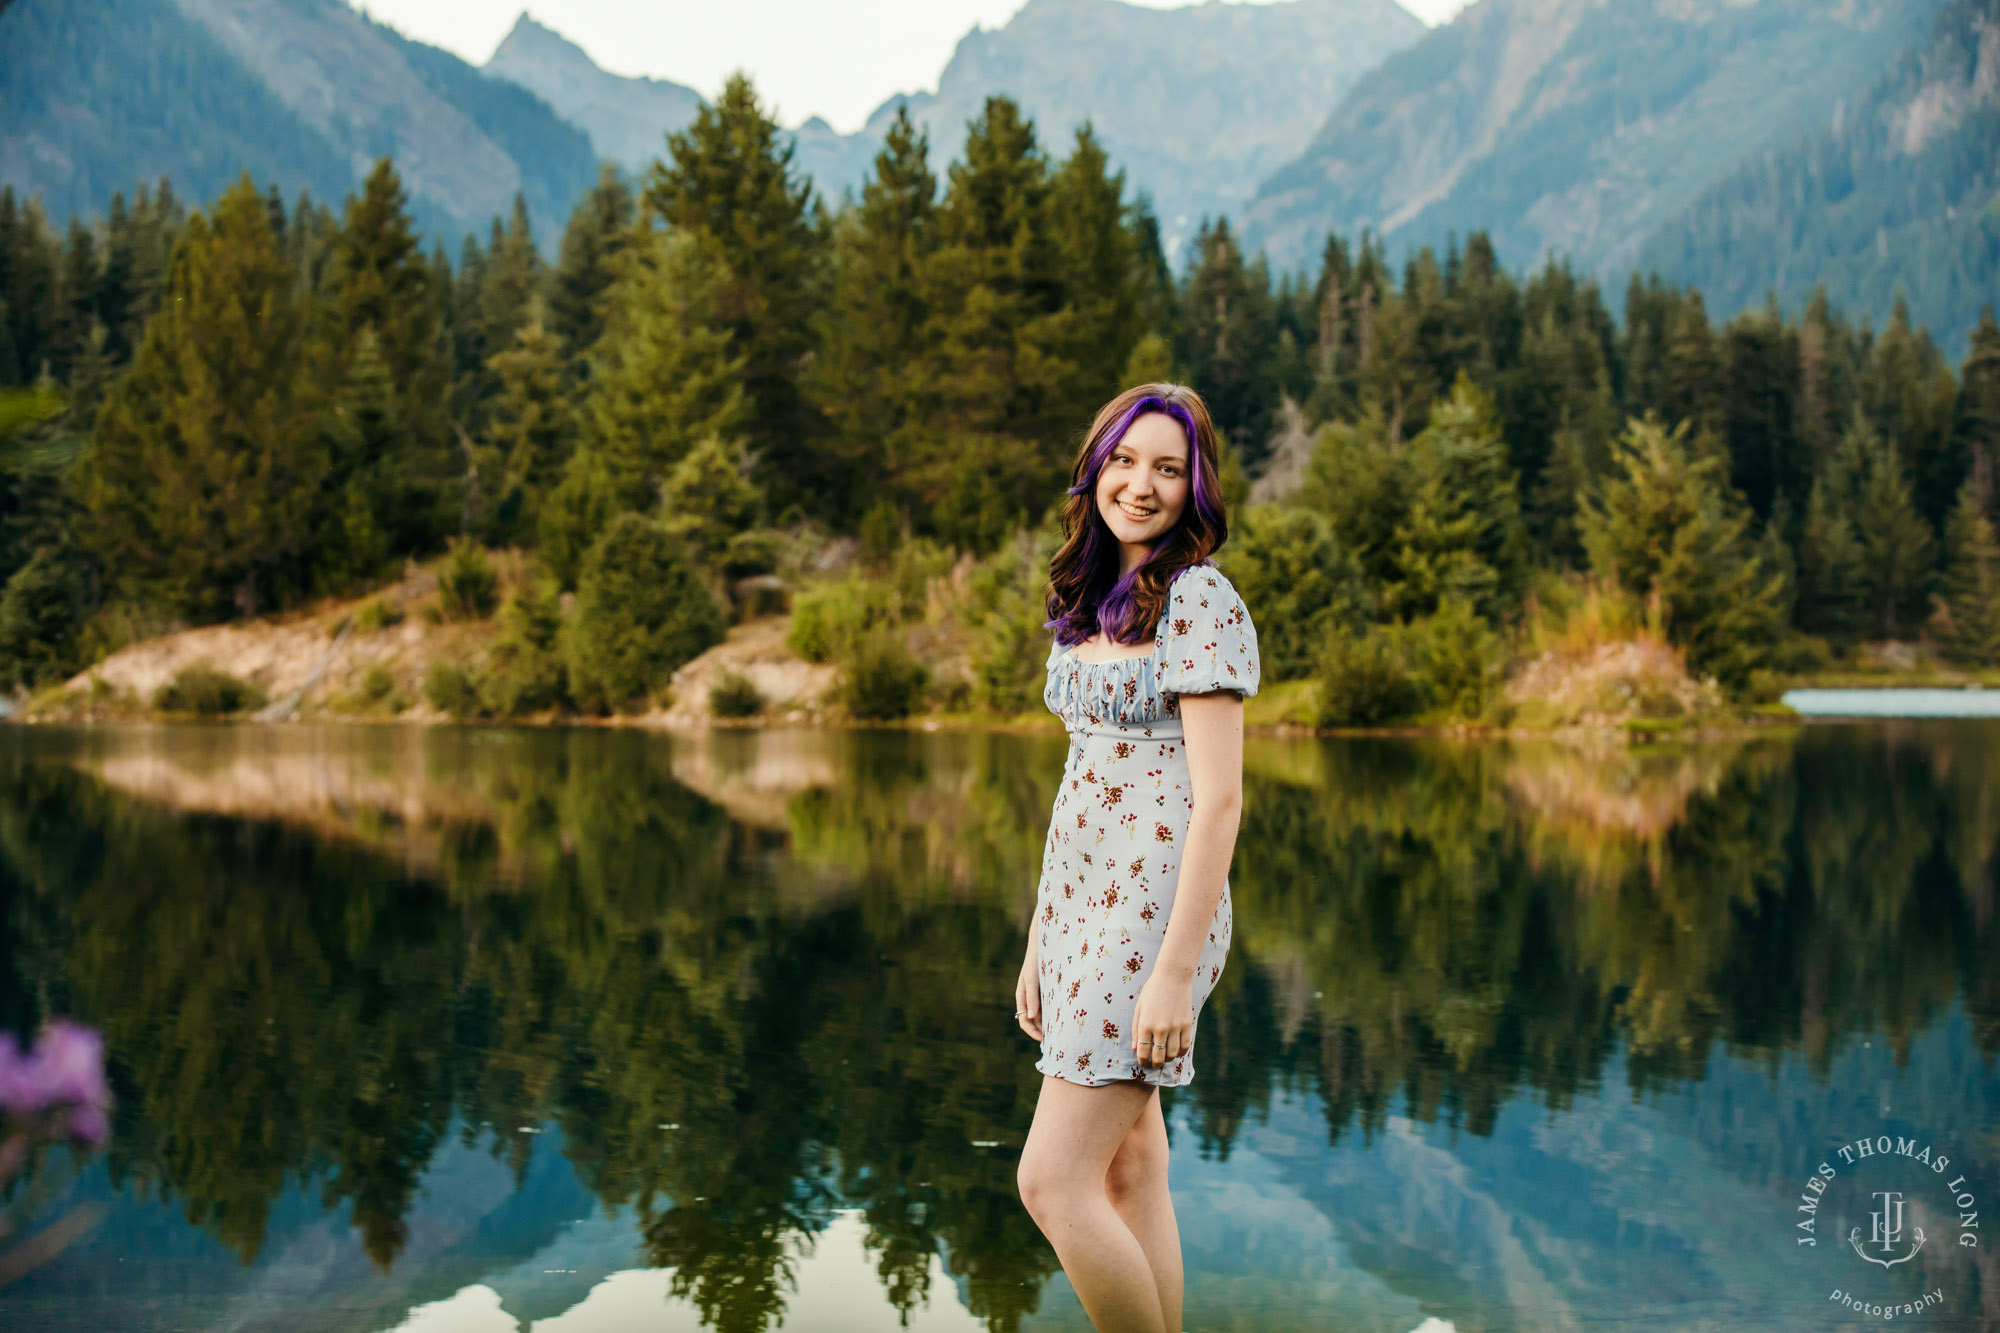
column 1028, row 991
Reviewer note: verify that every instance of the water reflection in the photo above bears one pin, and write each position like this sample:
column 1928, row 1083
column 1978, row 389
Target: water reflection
column 415, row 1025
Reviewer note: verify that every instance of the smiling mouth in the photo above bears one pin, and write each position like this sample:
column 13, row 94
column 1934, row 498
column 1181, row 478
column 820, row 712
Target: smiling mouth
column 1134, row 512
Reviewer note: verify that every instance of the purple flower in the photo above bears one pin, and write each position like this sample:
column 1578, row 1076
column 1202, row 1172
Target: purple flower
column 65, row 1068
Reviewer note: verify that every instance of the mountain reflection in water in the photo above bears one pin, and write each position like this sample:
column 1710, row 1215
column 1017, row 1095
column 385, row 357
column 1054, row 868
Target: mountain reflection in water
column 434, row 1028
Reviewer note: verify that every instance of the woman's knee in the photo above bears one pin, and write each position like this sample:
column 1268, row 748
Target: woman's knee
column 1044, row 1188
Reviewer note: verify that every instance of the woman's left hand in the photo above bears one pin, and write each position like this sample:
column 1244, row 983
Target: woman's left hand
column 1163, row 1019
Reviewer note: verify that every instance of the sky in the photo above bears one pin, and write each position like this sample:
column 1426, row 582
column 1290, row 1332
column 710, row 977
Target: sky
column 837, row 59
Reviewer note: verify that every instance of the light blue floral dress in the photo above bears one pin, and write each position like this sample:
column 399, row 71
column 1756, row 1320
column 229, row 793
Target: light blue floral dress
column 1118, row 827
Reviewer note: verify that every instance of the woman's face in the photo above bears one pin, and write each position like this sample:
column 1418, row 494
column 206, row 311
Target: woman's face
column 1143, row 486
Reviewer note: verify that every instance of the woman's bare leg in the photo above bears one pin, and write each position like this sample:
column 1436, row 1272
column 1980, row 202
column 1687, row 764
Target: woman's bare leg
column 1137, row 1187
column 1076, row 1133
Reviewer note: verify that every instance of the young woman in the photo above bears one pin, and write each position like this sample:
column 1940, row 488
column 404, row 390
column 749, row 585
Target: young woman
column 1154, row 654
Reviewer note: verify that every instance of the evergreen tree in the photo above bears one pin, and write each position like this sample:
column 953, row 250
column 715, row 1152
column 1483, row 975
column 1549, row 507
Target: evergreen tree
column 201, row 487
column 30, row 290
column 494, row 303
column 598, row 230
column 1103, row 277
column 1227, row 338
column 642, row 609
column 1662, row 524
column 1758, row 409
column 1831, row 599
column 1972, row 579
column 993, row 444
column 865, row 378
column 528, row 437
column 369, row 452
column 1461, row 535
column 663, row 376
column 708, row 499
column 728, row 182
column 377, row 280
column 1908, row 393
column 1286, row 562
column 1976, row 416
column 1896, row 543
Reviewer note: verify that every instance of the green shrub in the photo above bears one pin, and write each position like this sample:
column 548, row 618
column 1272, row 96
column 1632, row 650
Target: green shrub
column 450, row 690
column 880, row 680
column 881, row 532
column 1365, row 679
column 828, row 620
column 207, row 692
column 378, row 614
column 1011, row 647
column 525, row 671
column 1456, row 660
column 41, row 617
column 467, row 587
column 734, row 695
column 376, row 683
column 642, row 609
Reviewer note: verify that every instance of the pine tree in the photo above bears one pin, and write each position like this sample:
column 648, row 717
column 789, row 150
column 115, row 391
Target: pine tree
column 663, row 376
column 1972, row 578
column 201, row 487
column 1662, row 523
column 1101, row 269
column 1227, row 337
column 1976, row 416
column 1831, row 600
column 1461, row 535
column 492, row 309
column 76, row 310
column 993, row 442
column 642, row 609
column 1896, row 543
column 728, row 182
column 529, row 431
column 598, row 230
column 376, row 279
column 1908, row 393
column 30, row 289
column 1757, row 409
column 865, row 378
column 708, row 498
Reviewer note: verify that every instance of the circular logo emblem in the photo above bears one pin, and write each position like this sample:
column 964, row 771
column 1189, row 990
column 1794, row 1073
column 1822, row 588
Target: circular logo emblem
column 1893, row 1219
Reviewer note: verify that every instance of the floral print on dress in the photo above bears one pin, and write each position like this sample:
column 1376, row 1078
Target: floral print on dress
column 1109, row 875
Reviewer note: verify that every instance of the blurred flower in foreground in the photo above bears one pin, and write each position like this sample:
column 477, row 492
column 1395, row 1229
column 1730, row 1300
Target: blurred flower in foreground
column 64, row 1071
column 56, row 1090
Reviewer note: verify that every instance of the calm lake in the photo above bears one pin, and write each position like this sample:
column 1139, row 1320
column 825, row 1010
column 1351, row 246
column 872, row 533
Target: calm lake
column 464, row 1030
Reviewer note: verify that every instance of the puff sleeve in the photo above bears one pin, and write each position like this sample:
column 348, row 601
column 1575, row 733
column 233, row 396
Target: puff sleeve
column 1211, row 643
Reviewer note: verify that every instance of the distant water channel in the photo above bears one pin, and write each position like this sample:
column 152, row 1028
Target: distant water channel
column 1894, row 703
column 437, row 1029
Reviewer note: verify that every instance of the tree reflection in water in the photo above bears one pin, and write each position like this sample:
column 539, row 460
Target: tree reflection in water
column 752, row 978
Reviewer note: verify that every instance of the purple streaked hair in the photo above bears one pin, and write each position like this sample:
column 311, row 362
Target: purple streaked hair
column 1086, row 592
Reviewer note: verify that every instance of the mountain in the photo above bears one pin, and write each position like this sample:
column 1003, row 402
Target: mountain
column 1579, row 126
column 1900, row 191
column 97, row 94
column 1197, row 104
column 628, row 119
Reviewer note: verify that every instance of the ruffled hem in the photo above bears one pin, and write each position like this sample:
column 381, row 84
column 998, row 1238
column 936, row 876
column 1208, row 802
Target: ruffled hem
column 1126, row 1071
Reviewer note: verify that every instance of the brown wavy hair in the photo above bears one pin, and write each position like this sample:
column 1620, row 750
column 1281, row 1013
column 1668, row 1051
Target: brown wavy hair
column 1086, row 593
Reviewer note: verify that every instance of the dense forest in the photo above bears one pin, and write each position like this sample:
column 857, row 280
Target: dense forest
column 225, row 412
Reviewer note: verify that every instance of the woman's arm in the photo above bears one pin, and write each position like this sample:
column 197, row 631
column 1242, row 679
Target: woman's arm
column 1212, row 727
